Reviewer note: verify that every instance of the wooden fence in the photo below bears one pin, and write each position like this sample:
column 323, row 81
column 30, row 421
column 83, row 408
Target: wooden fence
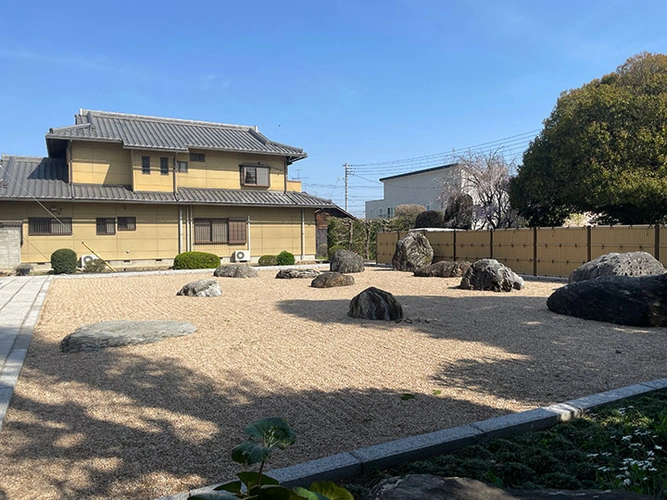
column 538, row 251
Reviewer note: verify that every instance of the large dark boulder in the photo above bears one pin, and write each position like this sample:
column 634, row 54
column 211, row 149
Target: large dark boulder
column 618, row 264
column 346, row 261
column 624, row 300
column 428, row 487
column 201, row 288
column 235, row 271
column 374, row 303
column 331, row 279
column 444, row 269
column 288, row 274
column 489, row 274
column 412, row 252
column 117, row 333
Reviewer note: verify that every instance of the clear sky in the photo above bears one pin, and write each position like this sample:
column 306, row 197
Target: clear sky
column 362, row 82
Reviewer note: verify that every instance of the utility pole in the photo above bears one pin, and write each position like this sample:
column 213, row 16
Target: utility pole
column 349, row 240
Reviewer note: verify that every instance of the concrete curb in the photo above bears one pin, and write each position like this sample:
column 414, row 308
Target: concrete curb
column 367, row 459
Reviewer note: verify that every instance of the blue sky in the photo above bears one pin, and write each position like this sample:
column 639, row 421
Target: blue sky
column 361, row 82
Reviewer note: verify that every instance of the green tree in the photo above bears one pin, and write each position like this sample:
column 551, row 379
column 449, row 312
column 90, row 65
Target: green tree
column 603, row 149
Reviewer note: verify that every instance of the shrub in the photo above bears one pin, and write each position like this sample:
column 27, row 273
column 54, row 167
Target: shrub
column 268, row 260
column 196, row 260
column 63, row 261
column 285, row 258
column 430, row 218
column 94, row 266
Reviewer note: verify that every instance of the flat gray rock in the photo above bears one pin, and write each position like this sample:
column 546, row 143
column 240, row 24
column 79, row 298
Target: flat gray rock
column 428, row 487
column 201, row 288
column 346, row 261
column 489, row 274
column 235, row 271
column 288, row 274
column 618, row 264
column 444, row 269
column 331, row 279
column 118, row 333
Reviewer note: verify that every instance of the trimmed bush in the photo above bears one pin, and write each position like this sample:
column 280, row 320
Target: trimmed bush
column 63, row 261
column 196, row 260
column 285, row 258
column 430, row 218
column 94, row 266
column 268, row 260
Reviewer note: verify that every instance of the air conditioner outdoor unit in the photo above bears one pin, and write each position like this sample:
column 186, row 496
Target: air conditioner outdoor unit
column 86, row 259
column 241, row 256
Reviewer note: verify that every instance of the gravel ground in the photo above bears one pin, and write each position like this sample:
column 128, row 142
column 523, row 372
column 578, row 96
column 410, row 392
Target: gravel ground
column 150, row 420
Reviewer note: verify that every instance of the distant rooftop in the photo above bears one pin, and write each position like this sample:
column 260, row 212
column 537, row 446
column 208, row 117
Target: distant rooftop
column 418, row 172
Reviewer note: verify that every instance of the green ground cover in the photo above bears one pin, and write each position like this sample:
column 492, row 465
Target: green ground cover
column 619, row 446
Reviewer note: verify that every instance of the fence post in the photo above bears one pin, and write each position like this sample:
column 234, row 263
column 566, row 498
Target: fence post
column 491, row 244
column 454, row 249
column 588, row 243
column 657, row 241
column 534, row 251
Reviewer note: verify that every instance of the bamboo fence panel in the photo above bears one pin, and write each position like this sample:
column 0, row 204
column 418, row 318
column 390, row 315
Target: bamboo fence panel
column 473, row 245
column 560, row 250
column 515, row 249
column 620, row 239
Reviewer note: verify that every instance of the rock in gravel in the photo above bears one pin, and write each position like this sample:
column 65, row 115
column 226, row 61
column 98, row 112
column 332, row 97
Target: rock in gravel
column 428, row 487
column 618, row 264
column 412, row 252
column 346, row 261
column 489, row 274
column 374, row 303
column 118, row 333
column 444, row 269
column 288, row 274
column 332, row 279
column 624, row 300
column 235, row 271
column 201, row 288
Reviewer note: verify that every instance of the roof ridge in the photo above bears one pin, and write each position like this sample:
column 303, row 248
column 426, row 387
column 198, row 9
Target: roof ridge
column 114, row 114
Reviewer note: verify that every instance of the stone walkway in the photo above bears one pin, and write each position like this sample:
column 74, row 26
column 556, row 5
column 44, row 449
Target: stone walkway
column 21, row 299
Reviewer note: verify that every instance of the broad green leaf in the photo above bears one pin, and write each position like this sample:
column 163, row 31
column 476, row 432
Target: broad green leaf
column 273, row 432
column 251, row 478
column 307, row 494
column 273, row 492
column 231, row 486
column 250, row 453
column 331, row 491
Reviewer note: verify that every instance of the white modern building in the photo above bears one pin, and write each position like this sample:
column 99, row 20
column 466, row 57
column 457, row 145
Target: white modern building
column 423, row 187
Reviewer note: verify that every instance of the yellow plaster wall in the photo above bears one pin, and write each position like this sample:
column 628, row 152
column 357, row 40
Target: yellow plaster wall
column 154, row 181
column 154, row 238
column 221, row 170
column 100, row 163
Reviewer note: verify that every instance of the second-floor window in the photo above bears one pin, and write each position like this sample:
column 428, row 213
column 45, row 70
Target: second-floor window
column 164, row 165
column 201, row 157
column 182, row 166
column 255, row 176
column 145, row 164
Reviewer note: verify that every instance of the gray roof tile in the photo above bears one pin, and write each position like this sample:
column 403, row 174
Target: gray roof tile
column 252, row 198
column 33, row 177
column 138, row 131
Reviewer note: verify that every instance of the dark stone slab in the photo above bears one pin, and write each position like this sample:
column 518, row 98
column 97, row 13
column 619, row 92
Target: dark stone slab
column 428, row 487
column 201, row 288
column 346, row 261
column 118, row 333
column 288, row 274
column 235, row 271
column 618, row 264
column 413, row 252
column 444, row 269
column 624, row 300
column 332, row 279
column 374, row 303
column 489, row 274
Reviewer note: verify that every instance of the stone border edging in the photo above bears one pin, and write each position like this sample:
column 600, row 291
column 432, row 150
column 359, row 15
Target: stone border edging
column 369, row 458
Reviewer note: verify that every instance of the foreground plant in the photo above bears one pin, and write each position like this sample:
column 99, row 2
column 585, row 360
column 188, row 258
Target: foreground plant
column 267, row 435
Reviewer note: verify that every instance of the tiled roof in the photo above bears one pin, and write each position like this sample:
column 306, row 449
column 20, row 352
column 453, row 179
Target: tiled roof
column 33, row 177
column 150, row 132
column 44, row 178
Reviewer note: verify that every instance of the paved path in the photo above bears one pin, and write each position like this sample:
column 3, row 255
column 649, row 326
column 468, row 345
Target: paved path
column 21, row 298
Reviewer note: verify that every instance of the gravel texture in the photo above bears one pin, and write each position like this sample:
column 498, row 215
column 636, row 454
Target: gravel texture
column 150, row 420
